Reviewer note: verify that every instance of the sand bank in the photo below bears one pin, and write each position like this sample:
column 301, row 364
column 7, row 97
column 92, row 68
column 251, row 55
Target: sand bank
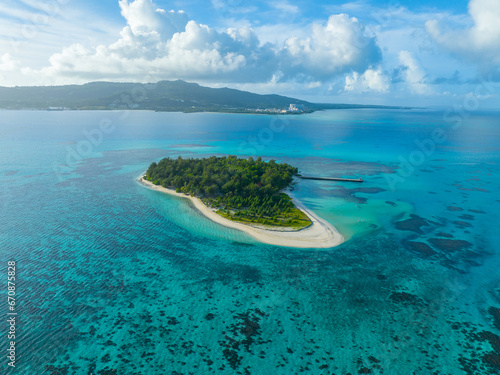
column 320, row 234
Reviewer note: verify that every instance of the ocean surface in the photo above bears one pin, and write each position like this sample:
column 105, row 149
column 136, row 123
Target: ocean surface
column 113, row 278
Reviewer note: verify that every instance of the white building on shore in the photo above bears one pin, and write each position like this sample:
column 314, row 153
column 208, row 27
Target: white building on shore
column 296, row 107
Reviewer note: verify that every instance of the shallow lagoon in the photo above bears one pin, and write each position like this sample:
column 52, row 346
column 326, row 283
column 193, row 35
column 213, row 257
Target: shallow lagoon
column 114, row 278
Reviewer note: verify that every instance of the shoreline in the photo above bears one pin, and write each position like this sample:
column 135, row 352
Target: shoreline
column 250, row 112
column 320, row 234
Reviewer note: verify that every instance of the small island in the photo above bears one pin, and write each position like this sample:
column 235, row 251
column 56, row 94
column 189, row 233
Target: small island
column 245, row 194
column 243, row 190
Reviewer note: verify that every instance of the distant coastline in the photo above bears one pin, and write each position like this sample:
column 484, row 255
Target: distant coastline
column 163, row 96
column 201, row 110
column 320, row 234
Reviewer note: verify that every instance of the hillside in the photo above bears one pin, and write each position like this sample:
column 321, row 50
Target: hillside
column 162, row 96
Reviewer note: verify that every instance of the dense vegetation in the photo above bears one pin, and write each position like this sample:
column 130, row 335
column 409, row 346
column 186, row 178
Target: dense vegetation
column 244, row 190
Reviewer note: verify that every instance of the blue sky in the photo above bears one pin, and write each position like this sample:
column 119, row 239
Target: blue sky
column 403, row 52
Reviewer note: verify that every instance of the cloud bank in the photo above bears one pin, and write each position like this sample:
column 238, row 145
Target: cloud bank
column 158, row 44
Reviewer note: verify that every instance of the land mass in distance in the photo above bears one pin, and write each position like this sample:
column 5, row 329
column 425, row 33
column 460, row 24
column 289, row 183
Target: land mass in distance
column 171, row 96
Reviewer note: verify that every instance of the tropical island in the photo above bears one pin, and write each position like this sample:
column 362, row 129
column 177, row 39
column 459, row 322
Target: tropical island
column 245, row 194
column 244, row 190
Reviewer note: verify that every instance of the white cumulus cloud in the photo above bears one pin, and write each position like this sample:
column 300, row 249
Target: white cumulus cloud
column 479, row 43
column 157, row 44
column 8, row 63
column 339, row 46
column 413, row 74
column 370, row 80
column 143, row 17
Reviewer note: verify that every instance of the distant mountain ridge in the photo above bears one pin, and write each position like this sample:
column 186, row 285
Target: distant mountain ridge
column 162, row 96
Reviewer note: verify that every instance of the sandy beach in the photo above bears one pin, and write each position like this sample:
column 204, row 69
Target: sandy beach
column 320, row 234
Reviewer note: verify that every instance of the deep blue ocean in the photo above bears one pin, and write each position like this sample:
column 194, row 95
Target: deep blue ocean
column 113, row 278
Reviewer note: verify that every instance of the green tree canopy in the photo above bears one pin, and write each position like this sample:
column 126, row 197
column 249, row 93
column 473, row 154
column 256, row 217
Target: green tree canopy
column 242, row 189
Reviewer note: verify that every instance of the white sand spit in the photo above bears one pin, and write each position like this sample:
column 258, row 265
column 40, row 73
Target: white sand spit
column 321, row 234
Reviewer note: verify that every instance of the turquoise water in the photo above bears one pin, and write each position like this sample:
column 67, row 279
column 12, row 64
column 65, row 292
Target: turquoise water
column 113, row 278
